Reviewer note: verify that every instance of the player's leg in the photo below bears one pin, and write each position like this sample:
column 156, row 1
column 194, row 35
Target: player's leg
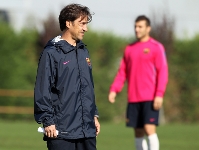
column 58, row 144
column 134, row 119
column 76, row 144
column 151, row 121
column 140, row 141
column 150, row 130
column 86, row 144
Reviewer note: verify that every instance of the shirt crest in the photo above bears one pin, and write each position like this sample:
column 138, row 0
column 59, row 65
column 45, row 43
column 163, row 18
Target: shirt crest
column 88, row 61
column 146, row 50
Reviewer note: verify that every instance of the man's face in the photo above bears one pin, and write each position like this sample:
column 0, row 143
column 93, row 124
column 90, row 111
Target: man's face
column 78, row 28
column 141, row 30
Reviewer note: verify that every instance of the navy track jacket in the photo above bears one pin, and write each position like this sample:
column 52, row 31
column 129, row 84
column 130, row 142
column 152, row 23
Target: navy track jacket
column 64, row 90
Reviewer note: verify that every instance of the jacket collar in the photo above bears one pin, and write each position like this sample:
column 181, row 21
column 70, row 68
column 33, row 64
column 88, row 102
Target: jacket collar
column 64, row 45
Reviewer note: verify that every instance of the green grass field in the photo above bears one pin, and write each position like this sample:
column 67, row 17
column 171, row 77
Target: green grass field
column 24, row 136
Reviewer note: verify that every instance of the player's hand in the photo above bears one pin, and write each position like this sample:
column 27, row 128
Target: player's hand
column 97, row 125
column 111, row 97
column 158, row 101
column 50, row 131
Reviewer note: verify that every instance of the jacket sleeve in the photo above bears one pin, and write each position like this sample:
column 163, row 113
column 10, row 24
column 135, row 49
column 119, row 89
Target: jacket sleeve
column 162, row 71
column 96, row 112
column 43, row 109
column 120, row 78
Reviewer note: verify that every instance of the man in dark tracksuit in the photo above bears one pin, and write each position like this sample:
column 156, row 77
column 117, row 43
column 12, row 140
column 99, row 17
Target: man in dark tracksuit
column 64, row 97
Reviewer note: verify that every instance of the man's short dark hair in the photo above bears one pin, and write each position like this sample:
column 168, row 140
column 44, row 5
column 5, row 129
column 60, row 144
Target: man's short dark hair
column 71, row 13
column 143, row 17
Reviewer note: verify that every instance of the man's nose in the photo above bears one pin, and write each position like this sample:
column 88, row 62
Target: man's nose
column 85, row 28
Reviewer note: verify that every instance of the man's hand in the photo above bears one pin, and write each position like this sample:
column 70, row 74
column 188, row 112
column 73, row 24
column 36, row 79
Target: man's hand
column 50, row 131
column 157, row 104
column 111, row 97
column 97, row 125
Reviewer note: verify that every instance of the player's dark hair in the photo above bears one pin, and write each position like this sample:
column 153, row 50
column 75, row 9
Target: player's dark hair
column 71, row 13
column 143, row 17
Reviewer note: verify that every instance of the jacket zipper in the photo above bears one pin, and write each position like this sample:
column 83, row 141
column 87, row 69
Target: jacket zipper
column 80, row 85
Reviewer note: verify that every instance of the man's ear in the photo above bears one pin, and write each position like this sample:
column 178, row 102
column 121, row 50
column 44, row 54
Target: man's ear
column 149, row 28
column 68, row 24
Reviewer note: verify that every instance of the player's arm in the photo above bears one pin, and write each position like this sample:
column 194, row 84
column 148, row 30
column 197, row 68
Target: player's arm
column 118, row 82
column 111, row 97
column 50, row 131
column 158, row 101
column 97, row 125
column 43, row 111
column 162, row 77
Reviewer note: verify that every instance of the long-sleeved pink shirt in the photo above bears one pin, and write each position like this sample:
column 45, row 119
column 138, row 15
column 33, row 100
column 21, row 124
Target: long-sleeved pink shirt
column 145, row 68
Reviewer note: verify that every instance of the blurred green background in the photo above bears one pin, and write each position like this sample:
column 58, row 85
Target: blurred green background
column 19, row 54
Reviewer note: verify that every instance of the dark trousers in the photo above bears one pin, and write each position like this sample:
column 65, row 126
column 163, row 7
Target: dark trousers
column 74, row 144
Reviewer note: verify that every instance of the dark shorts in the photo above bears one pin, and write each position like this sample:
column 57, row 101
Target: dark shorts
column 139, row 114
column 76, row 144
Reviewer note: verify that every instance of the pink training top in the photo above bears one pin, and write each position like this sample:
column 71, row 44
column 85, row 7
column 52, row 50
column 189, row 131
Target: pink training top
column 144, row 66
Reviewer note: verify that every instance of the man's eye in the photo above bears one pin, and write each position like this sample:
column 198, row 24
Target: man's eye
column 83, row 23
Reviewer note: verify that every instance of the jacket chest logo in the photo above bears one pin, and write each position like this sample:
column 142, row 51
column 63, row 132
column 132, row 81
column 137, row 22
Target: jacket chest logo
column 88, row 61
column 66, row 62
column 146, row 50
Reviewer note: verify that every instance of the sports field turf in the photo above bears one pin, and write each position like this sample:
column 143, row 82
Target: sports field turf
column 22, row 135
